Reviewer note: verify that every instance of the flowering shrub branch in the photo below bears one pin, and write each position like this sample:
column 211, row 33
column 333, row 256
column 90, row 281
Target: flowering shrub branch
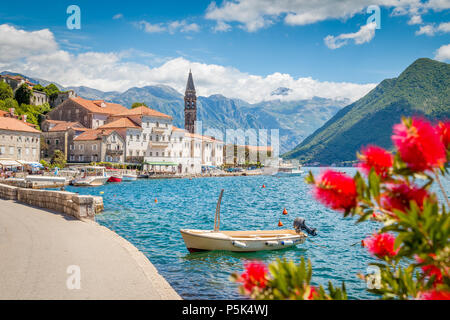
column 412, row 244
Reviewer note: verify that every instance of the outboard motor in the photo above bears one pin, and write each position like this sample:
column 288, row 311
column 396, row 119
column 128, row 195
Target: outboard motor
column 299, row 225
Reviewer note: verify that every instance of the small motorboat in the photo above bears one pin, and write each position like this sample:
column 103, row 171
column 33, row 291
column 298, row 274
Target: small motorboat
column 243, row 241
column 91, row 177
column 129, row 176
column 288, row 169
column 114, row 175
column 115, row 178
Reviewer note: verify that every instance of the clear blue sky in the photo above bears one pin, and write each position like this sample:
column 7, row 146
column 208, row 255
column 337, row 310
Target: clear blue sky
column 298, row 50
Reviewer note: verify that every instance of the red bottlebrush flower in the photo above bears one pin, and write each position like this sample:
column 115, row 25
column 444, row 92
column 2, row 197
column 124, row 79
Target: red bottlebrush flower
column 336, row 190
column 431, row 270
column 419, row 145
column 381, row 245
column 254, row 276
column 312, row 293
column 377, row 158
column 399, row 197
column 443, row 129
column 434, row 295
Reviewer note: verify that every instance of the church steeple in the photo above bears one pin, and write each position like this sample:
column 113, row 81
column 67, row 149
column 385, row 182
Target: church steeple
column 190, row 88
column 190, row 105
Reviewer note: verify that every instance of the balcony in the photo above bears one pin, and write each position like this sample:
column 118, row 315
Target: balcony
column 158, row 144
column 114, row 153
column 159, row 130
column 135, row 159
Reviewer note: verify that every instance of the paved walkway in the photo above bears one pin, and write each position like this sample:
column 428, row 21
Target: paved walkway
column 37, row 246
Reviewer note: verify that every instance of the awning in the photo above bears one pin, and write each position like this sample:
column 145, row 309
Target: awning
column 31, row 164
column 162, row 163
column 9, row 163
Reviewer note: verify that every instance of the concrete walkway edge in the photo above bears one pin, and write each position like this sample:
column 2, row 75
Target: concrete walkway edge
column 162, row 286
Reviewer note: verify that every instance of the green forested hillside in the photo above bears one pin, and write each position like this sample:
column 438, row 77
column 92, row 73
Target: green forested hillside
column 423, row 89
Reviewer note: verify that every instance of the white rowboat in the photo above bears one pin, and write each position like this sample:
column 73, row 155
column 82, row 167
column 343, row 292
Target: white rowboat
column 239, row 241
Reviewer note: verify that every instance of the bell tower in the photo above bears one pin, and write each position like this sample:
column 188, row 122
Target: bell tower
column 190, row 105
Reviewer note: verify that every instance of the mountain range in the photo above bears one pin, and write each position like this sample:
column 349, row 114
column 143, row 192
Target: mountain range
column 422, row 89
column 295, row 120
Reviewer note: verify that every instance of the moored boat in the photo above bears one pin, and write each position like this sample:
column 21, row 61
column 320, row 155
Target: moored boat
column 114, row 175
column 129, row 177
column 288, row 169
column 288, row 172
column 115, row 178
column 241, row 241
column 91, row 177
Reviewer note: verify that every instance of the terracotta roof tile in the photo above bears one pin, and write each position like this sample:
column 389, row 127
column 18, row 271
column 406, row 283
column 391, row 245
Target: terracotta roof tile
column 120, row 123
column 201, row 137
column 15, row 125
column 93, row 134
column 64, row 126
column 178, row 129
column 2, row 113
column 99, row 106
column 144, row 111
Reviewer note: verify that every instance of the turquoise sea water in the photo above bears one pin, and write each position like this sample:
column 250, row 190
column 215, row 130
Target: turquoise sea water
column 131, row 211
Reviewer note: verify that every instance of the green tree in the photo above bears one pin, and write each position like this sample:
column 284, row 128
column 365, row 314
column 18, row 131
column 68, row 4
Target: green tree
column 5, row 91
column 52, row 91
column 39, row 87
column 58, row 159
column 23, row 94
column 7, row 104
column 138, row 104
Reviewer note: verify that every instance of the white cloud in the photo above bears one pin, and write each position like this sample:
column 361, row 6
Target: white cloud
column 444, row 27
column 256, row 14
column 426, row 29
column 443, row 53
column 222, row 27
column 431, row 30
column 16, row 44
column 114, row 71
column 416, row 19
column 171, row 27
column 118, row 16
column 183, row 26
column 365, row 34
column 150, row 28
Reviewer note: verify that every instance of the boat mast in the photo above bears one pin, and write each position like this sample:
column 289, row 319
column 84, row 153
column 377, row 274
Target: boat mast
column 217, row 217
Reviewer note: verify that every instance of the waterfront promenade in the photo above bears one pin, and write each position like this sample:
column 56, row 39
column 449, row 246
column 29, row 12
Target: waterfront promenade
column 37, row 246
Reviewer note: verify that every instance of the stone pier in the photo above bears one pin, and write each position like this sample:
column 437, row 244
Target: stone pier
column 72, row 204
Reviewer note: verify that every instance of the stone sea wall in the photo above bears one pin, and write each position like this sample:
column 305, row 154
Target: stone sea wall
column 72, row 204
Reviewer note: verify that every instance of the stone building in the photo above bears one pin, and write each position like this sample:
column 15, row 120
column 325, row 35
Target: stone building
column 14, row 81
column 59, row 135
column 18, row 140
column 38, row 98
column 98, row 145
column 135, row 142
column 90, row 113
column 63, row 96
